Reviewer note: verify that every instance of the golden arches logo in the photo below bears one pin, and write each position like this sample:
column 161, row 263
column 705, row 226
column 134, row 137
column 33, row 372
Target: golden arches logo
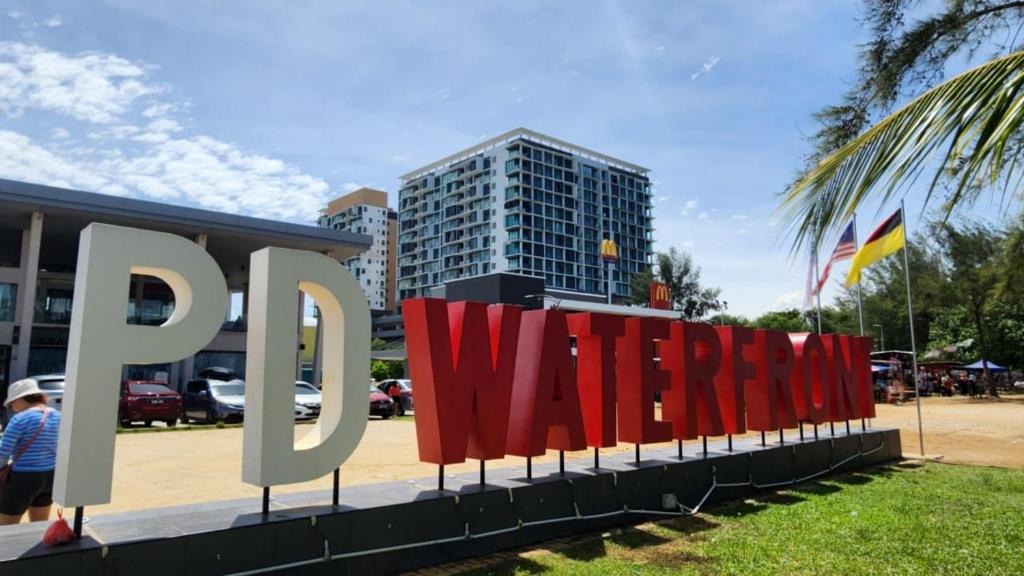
column 609, row 251
column 660, row 296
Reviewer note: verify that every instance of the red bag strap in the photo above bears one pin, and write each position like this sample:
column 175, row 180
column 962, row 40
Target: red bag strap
column 21, row 451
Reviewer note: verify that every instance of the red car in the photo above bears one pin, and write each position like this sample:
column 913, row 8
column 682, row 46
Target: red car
column 148, row 401
column 380, row 404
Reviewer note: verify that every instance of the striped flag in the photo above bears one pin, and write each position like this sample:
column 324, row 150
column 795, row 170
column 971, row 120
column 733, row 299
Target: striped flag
column 846, row 248
column 888, row 238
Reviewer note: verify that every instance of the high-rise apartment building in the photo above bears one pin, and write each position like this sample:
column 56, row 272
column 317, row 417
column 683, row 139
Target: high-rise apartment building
column 365, row 211
column 523, row 203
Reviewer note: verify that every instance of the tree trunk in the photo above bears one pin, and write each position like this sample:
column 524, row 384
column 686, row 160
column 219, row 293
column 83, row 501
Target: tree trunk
column 979, row 325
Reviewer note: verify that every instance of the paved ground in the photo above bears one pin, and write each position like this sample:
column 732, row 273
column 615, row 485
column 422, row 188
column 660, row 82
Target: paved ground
column 166, row 469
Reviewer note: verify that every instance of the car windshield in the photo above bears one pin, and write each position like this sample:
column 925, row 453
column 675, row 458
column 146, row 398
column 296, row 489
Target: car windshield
column 233, row 388
column 305, row 389
column 51, row 384
column 374, row 388
column 149, row 389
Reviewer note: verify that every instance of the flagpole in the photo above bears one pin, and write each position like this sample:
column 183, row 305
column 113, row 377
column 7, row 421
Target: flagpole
column 817, row 274
column 913, row 342
column 860, row 301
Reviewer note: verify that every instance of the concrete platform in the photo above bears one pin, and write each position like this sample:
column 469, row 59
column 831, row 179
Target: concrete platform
column 396, row 526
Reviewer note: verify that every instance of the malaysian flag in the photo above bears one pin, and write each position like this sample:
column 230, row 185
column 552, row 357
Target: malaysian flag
column 846, row 248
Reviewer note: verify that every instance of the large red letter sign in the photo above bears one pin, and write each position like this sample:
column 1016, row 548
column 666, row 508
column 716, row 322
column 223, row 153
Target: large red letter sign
column 545, row 409
column 637, row 379
column 811, row 380
column 769, row 400
column 844, row 393
column 736, row 374
column 692, row 355
column 462, row 358
column 595, row 373
column 862, row 371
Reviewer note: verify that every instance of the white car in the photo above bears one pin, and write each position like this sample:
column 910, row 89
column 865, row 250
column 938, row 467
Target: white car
column 307, row 401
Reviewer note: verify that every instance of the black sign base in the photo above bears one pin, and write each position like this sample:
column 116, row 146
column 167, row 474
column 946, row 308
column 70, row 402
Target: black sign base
column 397, row 526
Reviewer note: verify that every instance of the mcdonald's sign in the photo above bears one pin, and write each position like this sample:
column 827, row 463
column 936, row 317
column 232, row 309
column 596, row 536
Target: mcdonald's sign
column 609, row 251
column 659, row 296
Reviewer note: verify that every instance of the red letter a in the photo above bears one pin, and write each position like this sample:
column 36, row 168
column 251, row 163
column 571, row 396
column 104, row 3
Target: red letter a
column 545, row 409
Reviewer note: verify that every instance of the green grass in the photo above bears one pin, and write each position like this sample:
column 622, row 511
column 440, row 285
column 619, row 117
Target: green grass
column 900, row 519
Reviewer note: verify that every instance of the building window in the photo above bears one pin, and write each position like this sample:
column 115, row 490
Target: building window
column 8, row 296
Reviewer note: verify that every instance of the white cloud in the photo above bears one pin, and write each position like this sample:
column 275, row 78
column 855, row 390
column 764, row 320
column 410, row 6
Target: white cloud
column 53, row 22
column 92, row 87
column 661, row 199
column 705, row 68
column 14, row 14
column 739, row 217
column 130, row 152
column 789, row 300
column 688, row 207
column 703, row 216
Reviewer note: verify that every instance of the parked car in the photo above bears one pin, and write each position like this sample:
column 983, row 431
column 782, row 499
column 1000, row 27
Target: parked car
column 211, row 400
column 380, row 404
column 404, row 395
column 148, row 401
column 309, row 399
column 52, row 384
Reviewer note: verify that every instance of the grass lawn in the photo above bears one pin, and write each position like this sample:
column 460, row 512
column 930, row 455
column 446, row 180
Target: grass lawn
column 898, row 519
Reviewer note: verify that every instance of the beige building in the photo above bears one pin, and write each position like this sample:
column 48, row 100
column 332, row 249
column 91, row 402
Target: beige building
column 365, row 211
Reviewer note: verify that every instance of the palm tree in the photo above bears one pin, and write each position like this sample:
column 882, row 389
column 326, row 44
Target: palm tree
column 967, row 129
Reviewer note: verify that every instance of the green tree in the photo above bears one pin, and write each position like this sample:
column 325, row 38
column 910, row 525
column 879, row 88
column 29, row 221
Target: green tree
column 677, row 270
column 966, row 129
column 971, row 254
column 791, row 320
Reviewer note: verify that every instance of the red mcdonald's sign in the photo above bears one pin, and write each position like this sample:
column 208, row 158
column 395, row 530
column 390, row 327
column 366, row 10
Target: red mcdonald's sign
column 494, row 380
column 659, row 296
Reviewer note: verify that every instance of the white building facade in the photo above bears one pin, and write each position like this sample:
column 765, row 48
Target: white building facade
column 523, row 203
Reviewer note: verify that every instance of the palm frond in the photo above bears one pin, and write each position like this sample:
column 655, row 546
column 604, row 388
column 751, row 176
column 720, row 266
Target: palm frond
column 964, row 129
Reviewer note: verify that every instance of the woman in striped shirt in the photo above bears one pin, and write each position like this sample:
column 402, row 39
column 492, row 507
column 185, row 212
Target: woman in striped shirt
column 29, row 446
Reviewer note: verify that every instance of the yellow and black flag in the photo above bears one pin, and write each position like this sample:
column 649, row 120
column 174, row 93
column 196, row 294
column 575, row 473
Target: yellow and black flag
column 886, row 239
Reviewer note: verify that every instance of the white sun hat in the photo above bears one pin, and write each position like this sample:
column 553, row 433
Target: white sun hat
column 20, row 389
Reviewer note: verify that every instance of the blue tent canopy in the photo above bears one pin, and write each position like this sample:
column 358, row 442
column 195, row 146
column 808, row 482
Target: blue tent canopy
column 979, row 365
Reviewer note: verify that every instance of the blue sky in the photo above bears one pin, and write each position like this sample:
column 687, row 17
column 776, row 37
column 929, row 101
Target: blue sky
column 271, row 108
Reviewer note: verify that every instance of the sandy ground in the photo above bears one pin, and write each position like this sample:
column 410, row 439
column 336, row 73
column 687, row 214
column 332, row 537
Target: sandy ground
column 183, row 467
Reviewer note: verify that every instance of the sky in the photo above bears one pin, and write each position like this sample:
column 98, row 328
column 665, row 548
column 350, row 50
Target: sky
column 272, row 108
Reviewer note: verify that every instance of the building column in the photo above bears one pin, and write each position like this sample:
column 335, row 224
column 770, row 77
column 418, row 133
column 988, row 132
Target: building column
column 301, row 335
column 31, row 240
column 318, row 344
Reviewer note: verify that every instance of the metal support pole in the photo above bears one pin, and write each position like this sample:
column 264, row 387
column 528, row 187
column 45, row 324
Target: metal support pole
column 440, row 478
column 637, row 456
column 266, row 500
column 679, row 447
column 705, row 441
column 860, row 302
column 561, row 463
column 781, row 439
column 762, row 438
column 815, row 431
column 79, row 515
column 801, row 430
column 913, row 341
column 529, row 468
column 337, row 487
column 483, row 464
column 847, row 427
column 832, row 428
column 863, row 425
column 597, row 458
column 730, row 442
